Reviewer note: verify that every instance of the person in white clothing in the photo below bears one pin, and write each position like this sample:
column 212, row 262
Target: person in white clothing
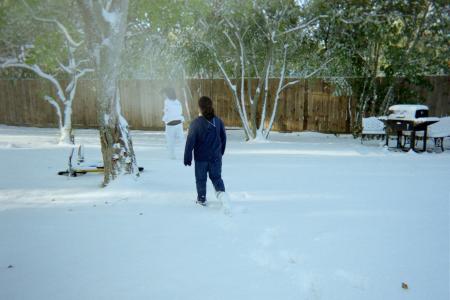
column 173, row 119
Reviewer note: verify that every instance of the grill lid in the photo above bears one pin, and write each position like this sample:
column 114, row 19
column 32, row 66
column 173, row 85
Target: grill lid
column 407, row 112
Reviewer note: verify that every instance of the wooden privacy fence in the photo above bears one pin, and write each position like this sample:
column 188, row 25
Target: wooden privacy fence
column 308, row 105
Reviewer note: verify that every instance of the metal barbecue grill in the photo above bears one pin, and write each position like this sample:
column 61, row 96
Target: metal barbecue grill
column 405, row 121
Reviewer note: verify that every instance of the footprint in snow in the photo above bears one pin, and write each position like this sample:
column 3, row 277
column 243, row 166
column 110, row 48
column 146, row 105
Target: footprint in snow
column 268, row 236
column 353, row 279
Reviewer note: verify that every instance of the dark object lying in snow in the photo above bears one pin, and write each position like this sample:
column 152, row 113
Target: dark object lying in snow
column 84, row 170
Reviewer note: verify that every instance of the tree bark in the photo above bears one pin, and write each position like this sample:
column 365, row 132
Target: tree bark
column 66, row 129
column 105, row 30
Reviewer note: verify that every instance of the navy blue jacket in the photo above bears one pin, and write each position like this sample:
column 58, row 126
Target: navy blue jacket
column 207, row 139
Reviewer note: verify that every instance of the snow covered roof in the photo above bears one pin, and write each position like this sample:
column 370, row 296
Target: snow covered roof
column 408, row 107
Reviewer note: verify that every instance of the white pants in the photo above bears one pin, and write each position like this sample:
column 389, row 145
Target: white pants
column 174, row 139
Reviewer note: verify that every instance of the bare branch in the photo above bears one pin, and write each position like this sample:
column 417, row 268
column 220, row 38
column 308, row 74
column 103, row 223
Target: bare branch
column 242, row 60
column 307, row 76
column 318, row 69
column 230, row 40
column 57, row 108
column 304, row 25
column 64, row 67
column 61, row 27
column 14, row 63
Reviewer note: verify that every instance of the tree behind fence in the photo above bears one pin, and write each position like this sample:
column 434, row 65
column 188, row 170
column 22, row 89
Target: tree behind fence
column 308, row 105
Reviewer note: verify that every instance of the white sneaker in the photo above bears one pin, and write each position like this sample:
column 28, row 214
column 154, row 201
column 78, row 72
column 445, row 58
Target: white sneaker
column 225, row 199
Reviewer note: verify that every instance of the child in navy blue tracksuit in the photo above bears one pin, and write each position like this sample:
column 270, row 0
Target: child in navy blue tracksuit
column 207, row 138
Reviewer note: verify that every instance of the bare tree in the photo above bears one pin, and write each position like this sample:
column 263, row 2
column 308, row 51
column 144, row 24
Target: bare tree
column 74, row 70
column 105, row 23
column 242, row 33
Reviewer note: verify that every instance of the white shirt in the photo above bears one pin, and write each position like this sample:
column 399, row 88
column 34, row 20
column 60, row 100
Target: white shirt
column 173, row 110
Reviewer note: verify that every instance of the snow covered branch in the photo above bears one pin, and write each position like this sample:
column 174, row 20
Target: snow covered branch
column 60, row 26
column 65, row 96
column 15, row 63
column 55, row 104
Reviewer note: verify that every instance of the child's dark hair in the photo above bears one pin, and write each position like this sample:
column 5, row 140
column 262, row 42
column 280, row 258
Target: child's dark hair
column 169, row 93
column 206, row 107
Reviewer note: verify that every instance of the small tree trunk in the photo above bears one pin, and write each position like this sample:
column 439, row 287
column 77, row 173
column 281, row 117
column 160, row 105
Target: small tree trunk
column 387, row 99
column 65, row 136
column 253, row 104
column 265, row 85
column 349, row 114
column 66, row 128
column 357, row 125
column 186, row 102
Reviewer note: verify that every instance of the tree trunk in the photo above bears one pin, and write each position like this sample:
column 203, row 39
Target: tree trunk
column 357, row 125
column 253, row 108
column 66, row 128
column 105, row 29
column 116, row 145
column 117, row 148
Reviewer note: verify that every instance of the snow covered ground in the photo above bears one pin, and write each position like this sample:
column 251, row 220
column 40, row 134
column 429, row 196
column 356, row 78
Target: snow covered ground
column 315, row 217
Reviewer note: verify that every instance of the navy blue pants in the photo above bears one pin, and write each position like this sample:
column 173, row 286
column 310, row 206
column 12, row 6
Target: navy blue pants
column 214, row 169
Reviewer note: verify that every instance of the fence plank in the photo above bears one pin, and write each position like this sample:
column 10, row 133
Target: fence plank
column 309, row 105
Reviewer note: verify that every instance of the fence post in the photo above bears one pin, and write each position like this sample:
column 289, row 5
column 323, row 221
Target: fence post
column 305, row 106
